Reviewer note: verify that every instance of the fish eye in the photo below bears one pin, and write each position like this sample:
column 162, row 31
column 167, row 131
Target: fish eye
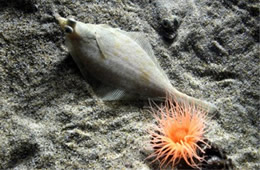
column 68, row 29
column 71, row 22
column 166, row 23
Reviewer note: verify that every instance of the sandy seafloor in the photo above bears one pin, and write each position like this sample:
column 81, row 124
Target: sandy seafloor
column 50, row 120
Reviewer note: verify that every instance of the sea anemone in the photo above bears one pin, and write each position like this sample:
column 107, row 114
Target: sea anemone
column 176, row 135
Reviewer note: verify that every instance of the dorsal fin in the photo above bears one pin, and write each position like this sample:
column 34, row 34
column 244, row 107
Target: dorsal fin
column 141, row 39
column 138, row 37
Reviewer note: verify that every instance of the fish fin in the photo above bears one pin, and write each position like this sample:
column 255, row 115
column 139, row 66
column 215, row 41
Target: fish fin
column 101, row 42
column 108, row 93
column 138, row 37
column 141, row 39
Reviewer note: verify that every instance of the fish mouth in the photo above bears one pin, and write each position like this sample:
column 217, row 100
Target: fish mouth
column 67, row 25
column 62, row 21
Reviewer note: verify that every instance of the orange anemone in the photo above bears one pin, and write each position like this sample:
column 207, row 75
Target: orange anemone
column 176, row 135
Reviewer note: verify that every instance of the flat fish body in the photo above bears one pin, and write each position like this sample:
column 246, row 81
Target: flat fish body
column 122, row 60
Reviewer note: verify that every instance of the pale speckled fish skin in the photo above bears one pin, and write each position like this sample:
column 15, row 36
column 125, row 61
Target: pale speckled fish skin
column 115, row 58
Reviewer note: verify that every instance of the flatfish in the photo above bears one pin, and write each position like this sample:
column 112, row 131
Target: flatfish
column 123, row 61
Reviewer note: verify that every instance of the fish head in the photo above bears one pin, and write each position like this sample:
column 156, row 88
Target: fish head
column 75, row 29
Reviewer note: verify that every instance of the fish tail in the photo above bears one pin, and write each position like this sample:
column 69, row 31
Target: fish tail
column 185, row 99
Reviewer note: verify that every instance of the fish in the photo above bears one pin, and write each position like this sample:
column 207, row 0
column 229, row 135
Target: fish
column 123, row 61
